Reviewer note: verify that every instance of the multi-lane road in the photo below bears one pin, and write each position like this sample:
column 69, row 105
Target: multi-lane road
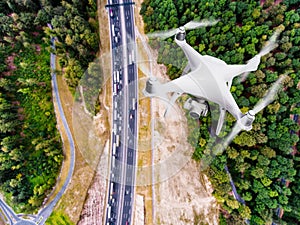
column 124, row 119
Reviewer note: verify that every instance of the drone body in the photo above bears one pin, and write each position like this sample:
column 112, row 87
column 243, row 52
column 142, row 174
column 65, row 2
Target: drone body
column 209, row 79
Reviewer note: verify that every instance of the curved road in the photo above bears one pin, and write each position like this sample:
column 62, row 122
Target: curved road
column 46, row 212
column 9, row 215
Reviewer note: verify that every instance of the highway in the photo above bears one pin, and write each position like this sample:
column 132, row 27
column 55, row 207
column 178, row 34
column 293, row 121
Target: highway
column 124, row 120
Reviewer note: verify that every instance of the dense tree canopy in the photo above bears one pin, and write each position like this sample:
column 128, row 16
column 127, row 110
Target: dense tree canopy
column 77, row 42
column 264, row 162
column 30, row 146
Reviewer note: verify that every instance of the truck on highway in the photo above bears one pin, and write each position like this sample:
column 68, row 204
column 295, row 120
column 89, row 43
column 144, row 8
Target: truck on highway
column 114, row 148
column 112, row 187
column 133, row 103
column 109, row 211
column 115, row 114
column 117, row 140
column 111, row 12
column 117, row 76
column 115, row 128
column 114, row 89
column 113, row 30
column 113, row 162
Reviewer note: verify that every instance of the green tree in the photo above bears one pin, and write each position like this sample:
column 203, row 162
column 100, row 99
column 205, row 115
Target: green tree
column 244, row 212
column 73, row 73
column 245, row 139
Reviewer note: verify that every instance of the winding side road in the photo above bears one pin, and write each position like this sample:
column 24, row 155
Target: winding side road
column 9, row 216
column 46, row 212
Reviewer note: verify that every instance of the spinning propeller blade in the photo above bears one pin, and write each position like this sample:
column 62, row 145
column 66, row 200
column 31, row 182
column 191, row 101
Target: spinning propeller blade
column 197, row 24
column 235, row 131
column 189, row 26
column 163, row 34
column 269, row 46
column 269, row 97
column 221, row 120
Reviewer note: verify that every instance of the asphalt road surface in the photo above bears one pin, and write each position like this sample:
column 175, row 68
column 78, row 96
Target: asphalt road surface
column 124, row 136
column 46, row 212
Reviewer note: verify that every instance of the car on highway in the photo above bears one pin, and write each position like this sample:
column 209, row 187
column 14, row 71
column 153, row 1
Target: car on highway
column 124, row 113
column 131, row 116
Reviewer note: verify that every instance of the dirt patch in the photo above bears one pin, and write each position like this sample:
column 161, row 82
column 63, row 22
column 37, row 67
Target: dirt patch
column 94, row 208
column 93, row 211
column 72, row 201
column 182, row 196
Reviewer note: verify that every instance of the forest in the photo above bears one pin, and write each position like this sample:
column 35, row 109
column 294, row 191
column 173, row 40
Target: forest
column 31, row 152
column 264, row 162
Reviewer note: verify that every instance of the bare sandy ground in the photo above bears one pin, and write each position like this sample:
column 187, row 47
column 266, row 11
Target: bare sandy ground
column 185, row 196
column 182, row 193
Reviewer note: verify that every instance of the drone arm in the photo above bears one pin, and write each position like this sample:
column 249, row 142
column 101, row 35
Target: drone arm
column 222, row 113
column 191, row 54
column 155, row 88
column 235, row 70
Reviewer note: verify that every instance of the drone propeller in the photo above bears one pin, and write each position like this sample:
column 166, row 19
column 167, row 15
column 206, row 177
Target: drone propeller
column 188, row 26
column 268, row 98
column 197, row 24
column 234, row 132
column 269, row 46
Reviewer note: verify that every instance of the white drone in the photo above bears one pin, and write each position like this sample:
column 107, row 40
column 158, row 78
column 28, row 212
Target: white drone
column 209, row 79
